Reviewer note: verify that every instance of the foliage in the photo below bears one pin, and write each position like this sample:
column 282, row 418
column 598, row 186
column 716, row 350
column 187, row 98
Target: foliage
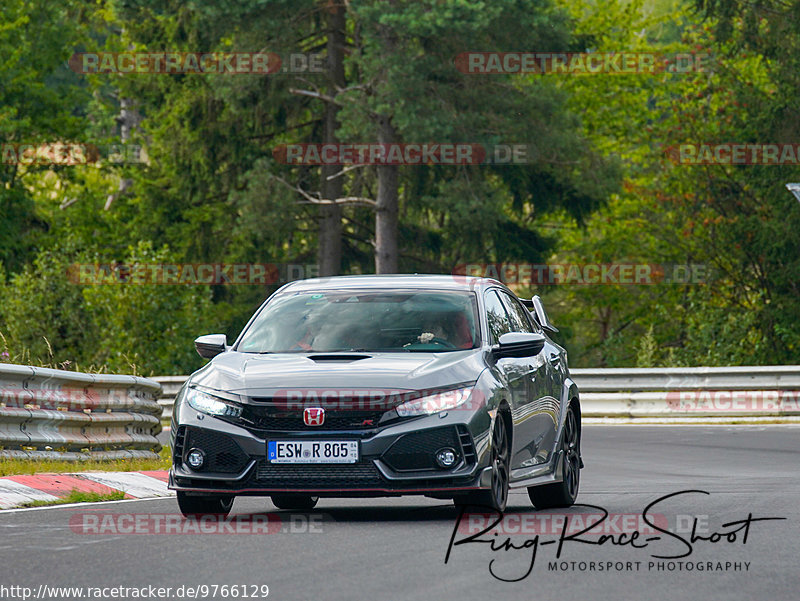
column 601, row 187
column 44, row 316
column 150, row 326
column 736, row 221
column 51, row 317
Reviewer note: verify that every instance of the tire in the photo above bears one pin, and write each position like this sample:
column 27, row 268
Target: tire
column 495, row 497
column 299, row 502
column 204, row 505
column 564, row 493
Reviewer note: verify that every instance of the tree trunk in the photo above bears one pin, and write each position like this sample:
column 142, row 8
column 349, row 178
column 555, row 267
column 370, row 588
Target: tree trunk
column 329, row 238
column 129, row 120
column 386, row 211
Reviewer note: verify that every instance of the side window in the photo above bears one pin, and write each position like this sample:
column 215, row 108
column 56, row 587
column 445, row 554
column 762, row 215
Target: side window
column 516, row 312
column 499, row 323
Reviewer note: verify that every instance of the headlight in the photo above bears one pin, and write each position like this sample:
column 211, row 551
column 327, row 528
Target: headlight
column 205, row 403
column 434, row 403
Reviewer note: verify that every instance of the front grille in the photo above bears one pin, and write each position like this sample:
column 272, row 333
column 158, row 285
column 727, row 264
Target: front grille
column 415, row 451
column 467, row 446
column 271, row 418
column 223, row 454
column 177, row 450
column 353, row 475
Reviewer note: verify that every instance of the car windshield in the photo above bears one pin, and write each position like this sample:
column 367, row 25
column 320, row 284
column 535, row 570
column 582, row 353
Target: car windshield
column 364, row 321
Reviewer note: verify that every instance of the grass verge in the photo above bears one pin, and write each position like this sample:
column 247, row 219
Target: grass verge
column 14, row 467
column 77, row 496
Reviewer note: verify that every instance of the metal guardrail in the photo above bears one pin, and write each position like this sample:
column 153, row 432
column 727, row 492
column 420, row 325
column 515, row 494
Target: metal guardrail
column 775, row 377
column 170, row 385
column 751, row 391
column 54, row 414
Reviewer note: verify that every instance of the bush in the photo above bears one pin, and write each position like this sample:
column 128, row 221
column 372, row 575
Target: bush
column 48, row 318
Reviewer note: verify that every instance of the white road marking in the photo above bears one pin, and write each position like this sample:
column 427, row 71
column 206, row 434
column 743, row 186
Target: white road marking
column 135, row 484
column 13, row 493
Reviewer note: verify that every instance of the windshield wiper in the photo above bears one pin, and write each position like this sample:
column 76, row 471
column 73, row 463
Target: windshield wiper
column 343, row 350
column 378, row 350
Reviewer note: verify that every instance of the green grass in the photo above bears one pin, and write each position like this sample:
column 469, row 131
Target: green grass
column 14, row 467
column 76, row 496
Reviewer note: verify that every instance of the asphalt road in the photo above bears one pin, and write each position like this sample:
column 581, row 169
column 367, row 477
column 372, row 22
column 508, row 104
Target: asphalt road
column 395, row 548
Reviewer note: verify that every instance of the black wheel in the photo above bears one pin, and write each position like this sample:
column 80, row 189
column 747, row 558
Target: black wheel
column 200, row 505
column 299, row 502
column 564, row 493
column 497, row 496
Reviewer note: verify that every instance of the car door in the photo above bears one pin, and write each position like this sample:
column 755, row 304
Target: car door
column 555, row 355
column 516, row 371
column 539, row 413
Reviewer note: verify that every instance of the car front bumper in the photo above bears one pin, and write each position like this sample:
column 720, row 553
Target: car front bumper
column 393, row 460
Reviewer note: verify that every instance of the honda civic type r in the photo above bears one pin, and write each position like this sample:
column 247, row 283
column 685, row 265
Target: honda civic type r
column 354, row 386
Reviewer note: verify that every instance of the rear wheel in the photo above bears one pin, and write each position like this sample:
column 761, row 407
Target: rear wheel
column 299, row 502
column 564, row 493
column 497, row 496
column 201, row 505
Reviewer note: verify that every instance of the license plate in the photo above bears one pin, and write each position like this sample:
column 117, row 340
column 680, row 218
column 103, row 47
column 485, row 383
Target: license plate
column 312, row 451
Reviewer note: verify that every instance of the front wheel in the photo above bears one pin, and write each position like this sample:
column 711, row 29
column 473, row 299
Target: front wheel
column 202, row 505
column 497, row 496
column 564, row 493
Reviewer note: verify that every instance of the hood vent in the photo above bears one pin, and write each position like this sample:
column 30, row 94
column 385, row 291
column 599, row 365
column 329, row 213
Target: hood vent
column 337, row 358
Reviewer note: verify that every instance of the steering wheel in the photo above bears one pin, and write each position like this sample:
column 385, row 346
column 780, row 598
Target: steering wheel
column 437, row 341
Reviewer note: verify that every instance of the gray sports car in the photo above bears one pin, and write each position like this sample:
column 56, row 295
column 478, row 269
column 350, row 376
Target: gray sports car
column 444, row 386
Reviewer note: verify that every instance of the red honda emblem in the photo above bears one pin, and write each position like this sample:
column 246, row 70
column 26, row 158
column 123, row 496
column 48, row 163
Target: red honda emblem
column 314, row 416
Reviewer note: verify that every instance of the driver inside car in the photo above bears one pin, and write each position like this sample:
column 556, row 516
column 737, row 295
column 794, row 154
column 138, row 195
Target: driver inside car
column 435, row 333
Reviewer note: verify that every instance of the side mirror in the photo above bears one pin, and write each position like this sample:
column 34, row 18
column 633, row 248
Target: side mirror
column 540, row 315
column 211, row 345
column 519, row 344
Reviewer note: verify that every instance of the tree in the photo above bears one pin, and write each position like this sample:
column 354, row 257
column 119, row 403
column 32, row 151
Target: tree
column 411, row 92
column 329, row 239
column 41, row 102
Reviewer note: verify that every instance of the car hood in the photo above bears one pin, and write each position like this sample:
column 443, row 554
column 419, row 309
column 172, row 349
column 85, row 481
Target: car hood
column 254, row 375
